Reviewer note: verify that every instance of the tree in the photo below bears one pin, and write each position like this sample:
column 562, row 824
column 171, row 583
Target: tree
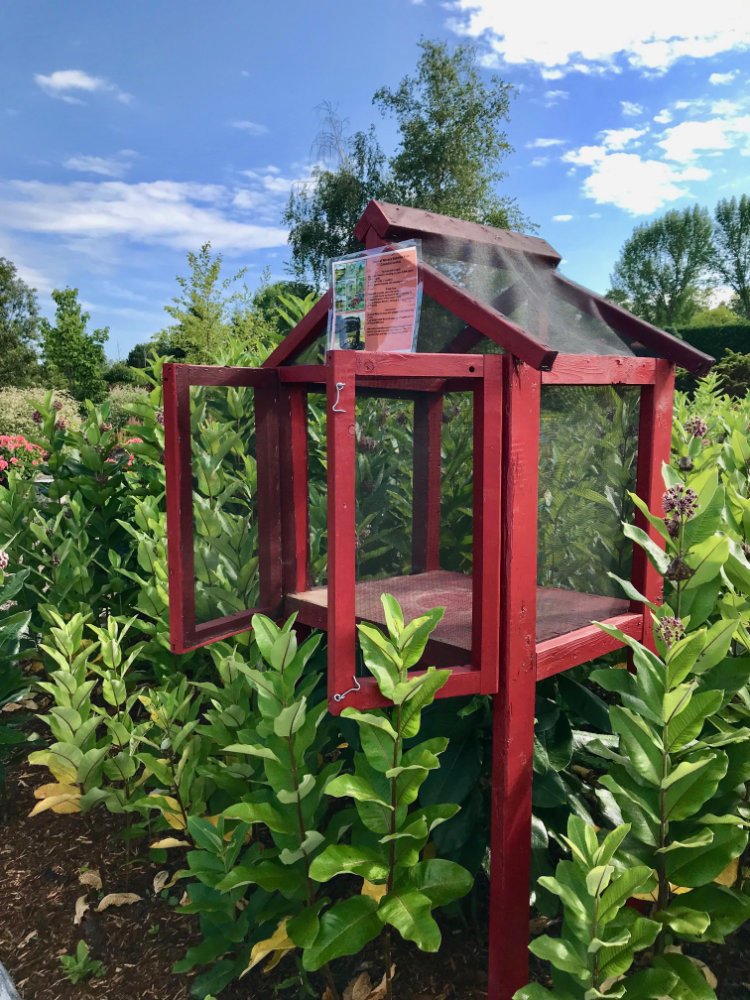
column 732, row 243
column 202, row 310
column 322, row 214
column 74, row 359
column 664, row 266
column 19, row 328
column 452, row 141
column 451, row 144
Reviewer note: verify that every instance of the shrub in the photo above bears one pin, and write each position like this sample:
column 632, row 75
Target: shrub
column 121, row 397
column 17, row 407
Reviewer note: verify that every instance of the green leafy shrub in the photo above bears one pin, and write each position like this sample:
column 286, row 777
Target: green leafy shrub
column 121, row 399
column 17, row 408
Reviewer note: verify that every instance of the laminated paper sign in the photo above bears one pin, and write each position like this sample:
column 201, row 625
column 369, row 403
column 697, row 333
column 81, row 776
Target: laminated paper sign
column 376, row 299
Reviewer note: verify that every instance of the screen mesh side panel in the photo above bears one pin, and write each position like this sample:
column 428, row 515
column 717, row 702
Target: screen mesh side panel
column 225, row 480
column 588, row 452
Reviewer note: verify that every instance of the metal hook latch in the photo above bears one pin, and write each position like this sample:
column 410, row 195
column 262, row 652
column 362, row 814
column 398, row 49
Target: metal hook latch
column 357, row 685
column 336, row 408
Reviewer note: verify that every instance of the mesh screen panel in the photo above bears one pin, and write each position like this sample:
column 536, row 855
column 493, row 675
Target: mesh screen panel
column 525, row 290
column 317, row 487
column 588, row 453
column 225, row 528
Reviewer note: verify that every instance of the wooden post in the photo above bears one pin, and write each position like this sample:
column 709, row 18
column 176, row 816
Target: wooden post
column 513, row 705
column 342, row 631
column 487, row 547
column 428, row 433
column 654, row 445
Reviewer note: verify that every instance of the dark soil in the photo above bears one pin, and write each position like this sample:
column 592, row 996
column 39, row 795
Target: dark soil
column 42, row 859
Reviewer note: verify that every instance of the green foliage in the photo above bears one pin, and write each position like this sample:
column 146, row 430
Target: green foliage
column 17, row 407
column 600, row 934
column 73, row 358
column 451, row 144
column 387, row 836
column 121, row 399
column 19, row 328
column 733, row 372
column 663, row 266
column 732, row 243
column 81, row 966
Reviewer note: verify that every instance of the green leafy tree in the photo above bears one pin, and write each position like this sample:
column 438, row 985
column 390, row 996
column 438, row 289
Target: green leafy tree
column 451, row 143
column 74, row 358
column 19, row 328
column 452, row 140
column 322, row 214
column 732, row 242
column 201, row 311
column 664, row 266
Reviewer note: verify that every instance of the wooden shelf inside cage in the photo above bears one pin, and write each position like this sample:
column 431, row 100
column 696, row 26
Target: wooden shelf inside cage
column 558, row 612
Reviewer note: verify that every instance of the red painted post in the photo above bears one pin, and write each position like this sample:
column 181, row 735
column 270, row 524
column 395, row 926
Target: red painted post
column 654, row 445
column 342, row 631
column 428, row 433
column 268, row 494
column 513, row 705
column 486, row 568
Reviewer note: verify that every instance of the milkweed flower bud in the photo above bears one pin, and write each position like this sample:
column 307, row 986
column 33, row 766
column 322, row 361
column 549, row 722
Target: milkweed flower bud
column 682, row 500
column 670, row 630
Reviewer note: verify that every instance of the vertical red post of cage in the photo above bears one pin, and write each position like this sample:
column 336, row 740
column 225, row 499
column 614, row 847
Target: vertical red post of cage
column 341, row 440
column 428, row 433
column 270, row 575
column 180, row 553
column 654, row 445
column 486, row 566
column 295, row 531
column 513, row 705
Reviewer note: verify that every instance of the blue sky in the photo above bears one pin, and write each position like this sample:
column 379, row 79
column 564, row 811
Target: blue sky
column 131, row 133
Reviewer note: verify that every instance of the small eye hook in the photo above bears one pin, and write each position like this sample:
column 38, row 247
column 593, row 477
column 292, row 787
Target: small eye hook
column 336, row 408
column 357, row 685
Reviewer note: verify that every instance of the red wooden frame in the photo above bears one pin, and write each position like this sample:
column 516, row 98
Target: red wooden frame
column 346, row 370
column 185, row 632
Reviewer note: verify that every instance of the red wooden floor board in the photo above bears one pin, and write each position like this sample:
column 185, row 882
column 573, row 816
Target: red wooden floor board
column 558, row 611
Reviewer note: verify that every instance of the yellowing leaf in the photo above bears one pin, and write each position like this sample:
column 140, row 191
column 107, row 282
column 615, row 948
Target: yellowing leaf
column 375, row 892
column 59, row 798
column 81, row 907
column 118, row 899
column 172, row 813
column 278, row 942
column 163, row 880
column 169, row 842
column 62, row 770
column 729, row 875
column 154, row 715
column 92, row 879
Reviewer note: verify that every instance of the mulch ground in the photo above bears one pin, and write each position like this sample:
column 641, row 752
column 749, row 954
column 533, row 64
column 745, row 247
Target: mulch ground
column 44, row 858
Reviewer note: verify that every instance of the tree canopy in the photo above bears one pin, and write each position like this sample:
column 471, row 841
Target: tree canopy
column 74, row 359
column 451, row 145
column 732, row 243
column 664, row 267
column 19, row 328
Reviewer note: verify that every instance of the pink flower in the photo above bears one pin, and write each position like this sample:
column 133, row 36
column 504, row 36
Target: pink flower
column 3, row 464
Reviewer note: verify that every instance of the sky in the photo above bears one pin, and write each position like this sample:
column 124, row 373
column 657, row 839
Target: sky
column 132, row 133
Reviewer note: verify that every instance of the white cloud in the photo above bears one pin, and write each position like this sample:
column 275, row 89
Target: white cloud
column 252, row 128
column 630, row 109
column 540, row 161
column 168, row 213
column 684, row 142
column 718, row 79
column 663, row 117
column 647, row 36
column 106, row 166
column 544, row 143
column 65, row 84
column 561, row 218
column 619, row 138
column 636, row 185
column 552, row 97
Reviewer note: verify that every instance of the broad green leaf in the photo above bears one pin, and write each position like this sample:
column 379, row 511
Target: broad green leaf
column 707, row 559
column 411, row 914
column 619, row 892
column 338, row 858
column 261, row 812
column 692, row 868
column 728, row 908
column 440, row 880
column 639, row 744
column 313, row 840
column 379, row 659
column 421, row 694
column 696, row 784
column 562, row 955
column 687, row 725
column 344, row 930
column 683, row 919
column 682, row 657
column 650, row 984
column 690, row 982
column 355, row 787
column 269, row 875
column 394, row 619
column 305, row 787
column 252, row 750
column 290, row 719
